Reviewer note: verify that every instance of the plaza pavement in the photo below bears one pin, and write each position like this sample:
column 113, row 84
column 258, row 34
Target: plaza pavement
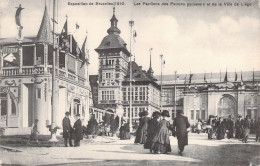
column 112, row 151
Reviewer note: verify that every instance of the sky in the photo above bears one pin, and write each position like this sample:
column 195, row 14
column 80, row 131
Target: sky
column 194, row 39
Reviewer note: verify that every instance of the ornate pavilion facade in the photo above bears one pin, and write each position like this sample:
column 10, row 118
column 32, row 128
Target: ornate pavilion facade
column 26, row 82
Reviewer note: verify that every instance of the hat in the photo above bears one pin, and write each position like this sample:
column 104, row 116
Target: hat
column 239, row 116
column 179, row 111
column 141, row 114
column 67, row 113
column 78, row 115
column 156, row 114
column 165, row 113
column 36, row 120
column 145, row 113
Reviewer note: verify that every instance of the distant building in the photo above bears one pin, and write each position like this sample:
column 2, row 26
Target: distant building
column 26, row 82
column 111, row 85
column 221, row 94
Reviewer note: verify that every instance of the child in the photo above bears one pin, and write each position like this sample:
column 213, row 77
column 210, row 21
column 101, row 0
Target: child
column 34, row 132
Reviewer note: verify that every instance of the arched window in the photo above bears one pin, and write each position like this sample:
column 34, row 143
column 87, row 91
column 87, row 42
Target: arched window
column 76, row 108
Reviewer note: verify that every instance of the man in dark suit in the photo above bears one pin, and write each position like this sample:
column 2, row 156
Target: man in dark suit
column 66, row 128
column 78, row 130
column 180, row 126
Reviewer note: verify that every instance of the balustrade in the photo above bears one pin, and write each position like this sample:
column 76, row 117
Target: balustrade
column 30, row 70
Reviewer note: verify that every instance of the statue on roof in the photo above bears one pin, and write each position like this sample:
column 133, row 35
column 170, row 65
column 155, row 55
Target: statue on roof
column 18, row 22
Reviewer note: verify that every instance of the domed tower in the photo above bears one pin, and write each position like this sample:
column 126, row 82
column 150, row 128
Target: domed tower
column 113, row 64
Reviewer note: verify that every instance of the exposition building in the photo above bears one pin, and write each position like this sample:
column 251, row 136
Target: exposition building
column 26, row 80
column 219, row 94
column 111, row 87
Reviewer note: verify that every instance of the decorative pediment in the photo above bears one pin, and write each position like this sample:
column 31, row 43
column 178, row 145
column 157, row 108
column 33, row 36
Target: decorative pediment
column 226, row 85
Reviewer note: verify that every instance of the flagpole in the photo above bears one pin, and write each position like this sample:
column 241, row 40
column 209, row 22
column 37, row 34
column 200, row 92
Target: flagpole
column 54, row 83
column 175, row 94
column 131, row 24
column 161, row 82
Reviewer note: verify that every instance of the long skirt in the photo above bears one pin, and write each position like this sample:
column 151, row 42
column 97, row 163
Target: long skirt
column 160, row 148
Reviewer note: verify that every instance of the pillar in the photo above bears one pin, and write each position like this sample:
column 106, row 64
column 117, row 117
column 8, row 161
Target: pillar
column 241, row 103
column 1, row 60
column 40, row 105
column 45, row 56
column 20, row 53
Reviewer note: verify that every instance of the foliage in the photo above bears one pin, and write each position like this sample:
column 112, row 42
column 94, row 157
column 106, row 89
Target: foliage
column 92, row 127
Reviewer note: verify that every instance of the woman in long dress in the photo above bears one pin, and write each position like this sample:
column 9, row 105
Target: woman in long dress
column 161, row 141
column 221, row 129
column 152, row 128
column 138, row 131
column 124, row 131
column 141, row 133
column 246, row 129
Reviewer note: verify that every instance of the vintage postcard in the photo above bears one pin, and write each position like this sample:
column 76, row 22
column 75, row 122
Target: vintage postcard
column 129, row 82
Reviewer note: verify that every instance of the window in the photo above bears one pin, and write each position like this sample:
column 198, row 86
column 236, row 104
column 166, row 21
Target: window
column 3, row 106
column 192, row 114
column 108, row 75
column 197, row 114
column 13, row 111
column 255, row 114
column 108, row 95
column 117, row 75
column 203, row 115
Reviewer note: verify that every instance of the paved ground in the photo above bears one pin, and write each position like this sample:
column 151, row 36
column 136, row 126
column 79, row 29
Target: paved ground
column 111, row 151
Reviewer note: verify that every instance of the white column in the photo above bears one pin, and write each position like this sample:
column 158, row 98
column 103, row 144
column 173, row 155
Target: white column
column 45, row 56
column 20, row 51
column 1, row 60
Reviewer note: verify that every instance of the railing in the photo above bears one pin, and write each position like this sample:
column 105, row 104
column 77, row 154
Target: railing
column 10, row 71
column 30, row 70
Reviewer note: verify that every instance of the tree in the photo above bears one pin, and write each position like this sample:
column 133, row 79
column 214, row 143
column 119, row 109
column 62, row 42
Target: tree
column 92, row 127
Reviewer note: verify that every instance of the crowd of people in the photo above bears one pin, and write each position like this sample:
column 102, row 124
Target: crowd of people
column 219, row 128
column 154, row 132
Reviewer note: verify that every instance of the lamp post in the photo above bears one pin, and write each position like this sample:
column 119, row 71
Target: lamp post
column 175, row 94
column 161, row 82
column 131, row 24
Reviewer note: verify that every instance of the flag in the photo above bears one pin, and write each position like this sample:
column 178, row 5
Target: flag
column 205, row 78
column 18, row 16
column 236, row 77
column 77, row 26
column 64, row 41
column 75, row 48
column 134, row 35
column 241, row 81
column 253, row 77
column 190, row 78
column 85, row 52
column 211, row 78
column 225, row 79
column 185, row 81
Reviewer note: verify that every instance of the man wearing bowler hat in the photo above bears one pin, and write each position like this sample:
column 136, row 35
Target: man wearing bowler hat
column 78, row 130
column 66, row 128
column 180, row 126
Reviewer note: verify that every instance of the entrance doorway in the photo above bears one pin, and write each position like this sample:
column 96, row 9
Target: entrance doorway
column 226, row 107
